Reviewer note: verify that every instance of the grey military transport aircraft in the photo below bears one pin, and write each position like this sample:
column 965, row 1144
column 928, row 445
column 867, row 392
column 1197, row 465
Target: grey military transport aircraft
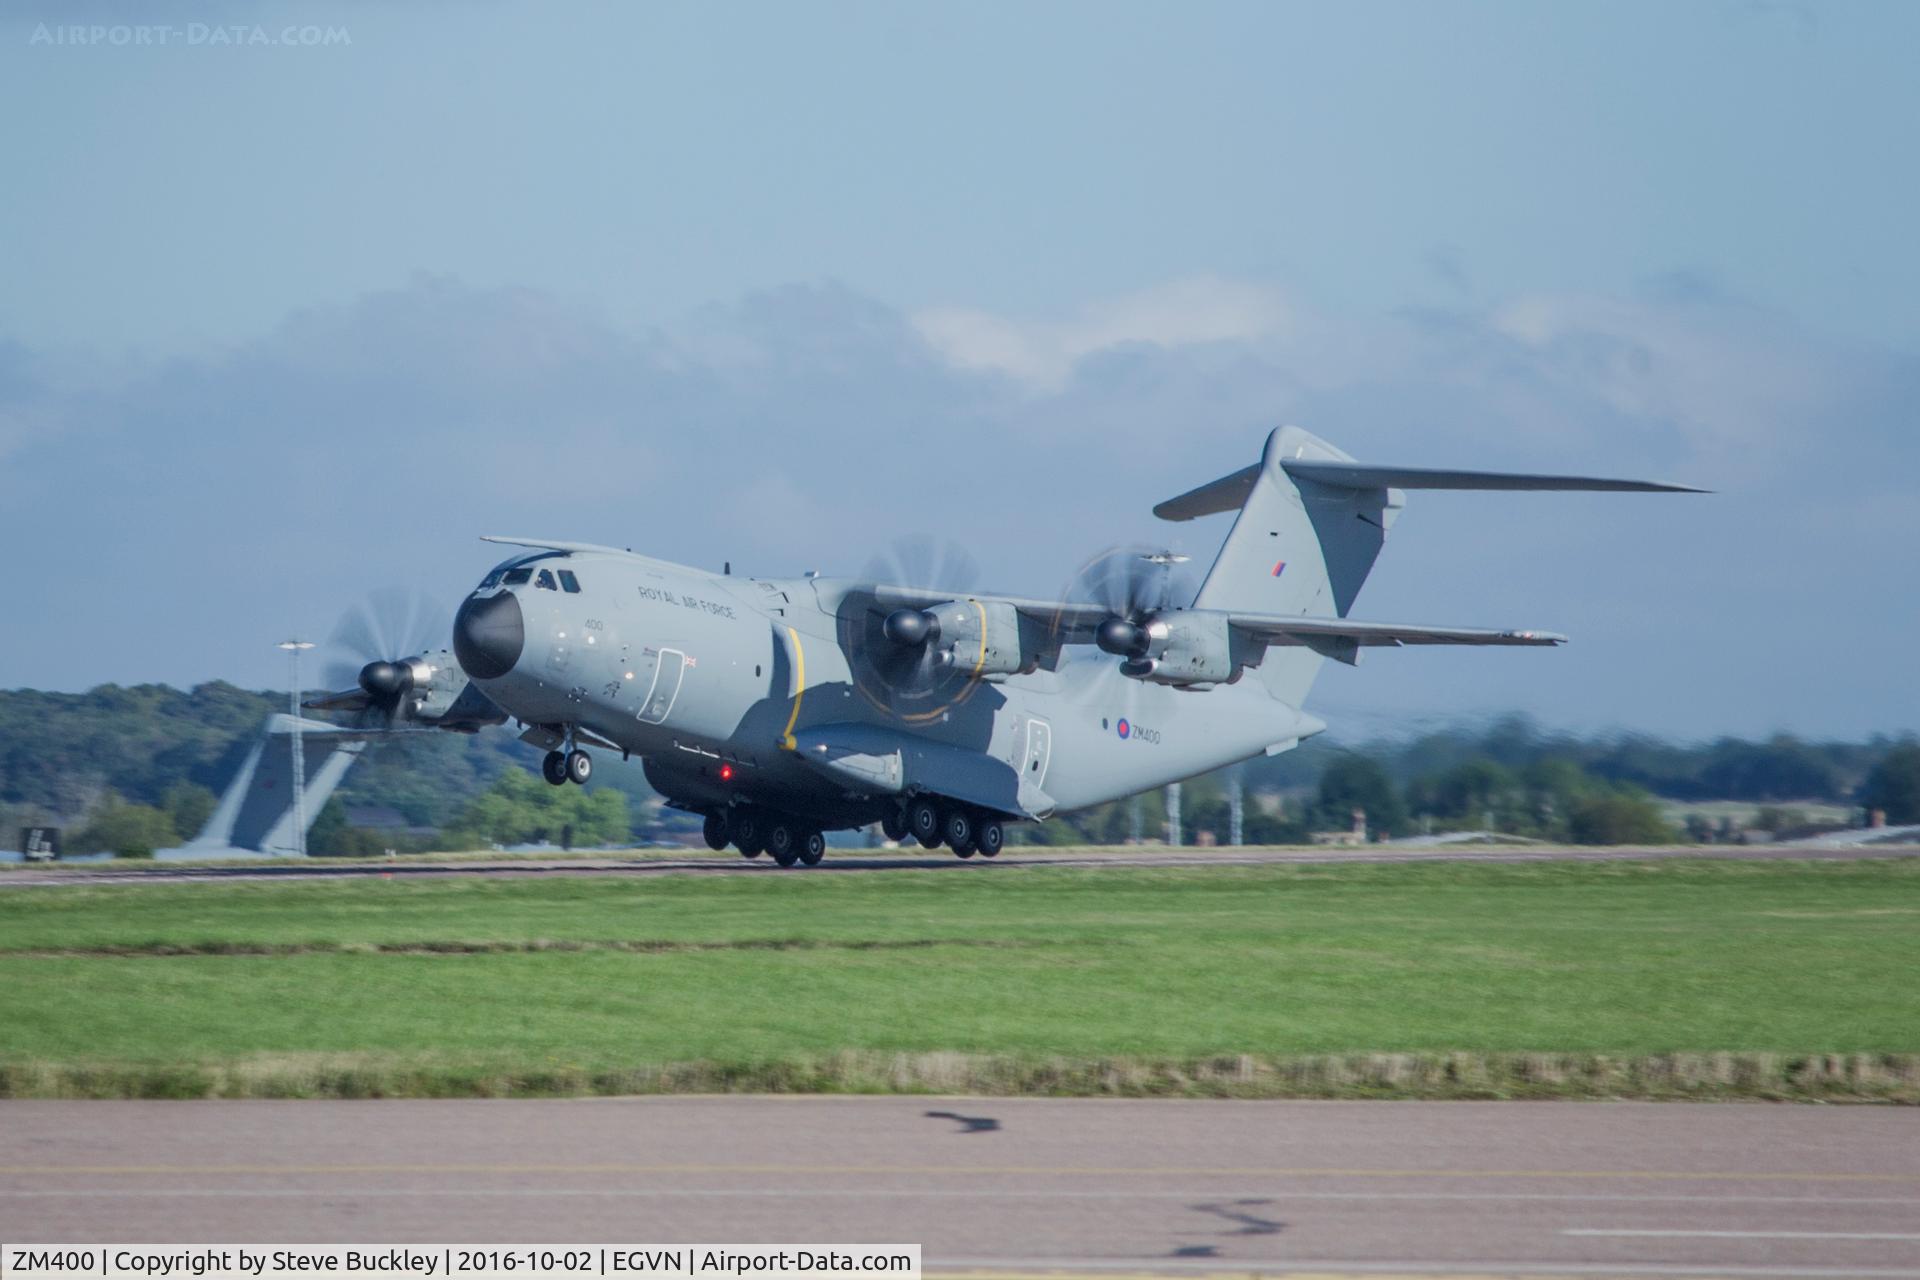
column 781, row 708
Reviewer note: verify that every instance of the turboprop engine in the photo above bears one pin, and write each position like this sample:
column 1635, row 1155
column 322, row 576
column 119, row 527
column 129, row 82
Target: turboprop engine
column 1178, row 647
column 976, row 637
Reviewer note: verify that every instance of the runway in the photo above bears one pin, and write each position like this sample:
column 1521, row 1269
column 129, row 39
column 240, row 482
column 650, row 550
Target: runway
column 1153, row 1187
column 842, row 861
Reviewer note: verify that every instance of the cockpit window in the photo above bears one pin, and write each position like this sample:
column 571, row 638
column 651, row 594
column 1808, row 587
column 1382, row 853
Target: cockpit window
column 518, row 577
column 545, row 581
column 568, row 582
column 491, row 580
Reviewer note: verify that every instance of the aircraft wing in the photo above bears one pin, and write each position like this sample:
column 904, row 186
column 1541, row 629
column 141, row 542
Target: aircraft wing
column 1275, row 629
column 1069, row 622
column 1075, row 623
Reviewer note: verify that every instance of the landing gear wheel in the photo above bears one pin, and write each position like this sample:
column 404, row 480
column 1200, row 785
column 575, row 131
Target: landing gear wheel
column 783, row 843
column 554, row 768
column 579, row 766
column 714, row 831
column 959, row 833
column 989, row 836
column 749, row 833
column 813, row 847
column 893, row 825
column 923, row 820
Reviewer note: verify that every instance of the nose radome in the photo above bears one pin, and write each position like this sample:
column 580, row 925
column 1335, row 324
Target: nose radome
column 488, row 635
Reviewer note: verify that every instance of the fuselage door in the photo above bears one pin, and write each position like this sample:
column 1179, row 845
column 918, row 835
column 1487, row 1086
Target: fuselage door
column 667, row 671
column 1039, row 752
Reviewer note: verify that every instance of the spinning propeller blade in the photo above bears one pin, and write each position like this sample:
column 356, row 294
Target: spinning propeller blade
column 371, row 654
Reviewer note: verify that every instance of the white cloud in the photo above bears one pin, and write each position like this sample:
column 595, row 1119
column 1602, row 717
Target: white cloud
column 1184, row 313
column 809, row 426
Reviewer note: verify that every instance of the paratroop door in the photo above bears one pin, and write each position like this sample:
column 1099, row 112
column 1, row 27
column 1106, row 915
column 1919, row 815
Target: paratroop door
column 667, row 671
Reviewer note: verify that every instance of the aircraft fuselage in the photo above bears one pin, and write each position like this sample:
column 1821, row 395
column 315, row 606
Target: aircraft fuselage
column 739, row 690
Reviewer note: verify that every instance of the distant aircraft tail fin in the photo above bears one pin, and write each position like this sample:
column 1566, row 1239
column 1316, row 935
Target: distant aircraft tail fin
column 256, row 812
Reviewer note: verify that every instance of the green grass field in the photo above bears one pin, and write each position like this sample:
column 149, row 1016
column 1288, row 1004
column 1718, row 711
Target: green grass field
column 1446, row 979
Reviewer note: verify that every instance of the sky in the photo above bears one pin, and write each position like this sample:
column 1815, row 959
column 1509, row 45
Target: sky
column 298, row 299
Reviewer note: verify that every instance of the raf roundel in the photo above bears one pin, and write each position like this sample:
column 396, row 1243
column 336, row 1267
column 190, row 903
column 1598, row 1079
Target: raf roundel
column 1124, row 728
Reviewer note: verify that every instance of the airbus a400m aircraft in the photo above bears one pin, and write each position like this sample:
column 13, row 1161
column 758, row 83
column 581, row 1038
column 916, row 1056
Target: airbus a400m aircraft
column 783, row 708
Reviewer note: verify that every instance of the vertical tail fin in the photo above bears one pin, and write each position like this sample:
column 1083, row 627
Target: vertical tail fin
column 1312, row 521
column 1298, row 547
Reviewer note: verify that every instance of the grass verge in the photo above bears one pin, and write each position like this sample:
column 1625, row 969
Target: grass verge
column 1628, row 979
column 1855, row 1077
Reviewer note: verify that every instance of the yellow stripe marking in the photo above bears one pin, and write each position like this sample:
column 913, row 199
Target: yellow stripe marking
column 787, row 741
column 981, row 663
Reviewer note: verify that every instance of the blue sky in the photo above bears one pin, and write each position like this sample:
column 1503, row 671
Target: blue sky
column 281, row 324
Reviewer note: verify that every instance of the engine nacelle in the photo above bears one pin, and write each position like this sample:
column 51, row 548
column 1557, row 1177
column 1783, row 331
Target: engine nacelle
column 432, row 690
column 1183, row 647
column 979, row 637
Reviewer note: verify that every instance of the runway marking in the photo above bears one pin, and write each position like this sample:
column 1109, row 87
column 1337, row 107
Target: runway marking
column 948, row 1170
column 898, row 1193
column 1679, row 1233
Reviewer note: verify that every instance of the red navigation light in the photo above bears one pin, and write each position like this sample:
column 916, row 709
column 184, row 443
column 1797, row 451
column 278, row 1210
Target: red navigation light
column 726, row 773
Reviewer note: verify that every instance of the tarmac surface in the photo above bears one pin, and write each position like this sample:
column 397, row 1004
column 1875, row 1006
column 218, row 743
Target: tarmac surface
column 1143, row 1187
column 866, row 860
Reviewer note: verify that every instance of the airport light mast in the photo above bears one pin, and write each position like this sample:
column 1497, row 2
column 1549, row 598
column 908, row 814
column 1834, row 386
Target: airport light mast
column 293, row 648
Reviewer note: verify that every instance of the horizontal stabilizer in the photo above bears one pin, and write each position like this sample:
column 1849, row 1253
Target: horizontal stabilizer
column 1360, row 475
column 1230, row 492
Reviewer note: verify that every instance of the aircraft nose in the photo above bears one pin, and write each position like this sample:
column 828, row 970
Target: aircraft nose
column 488, row 635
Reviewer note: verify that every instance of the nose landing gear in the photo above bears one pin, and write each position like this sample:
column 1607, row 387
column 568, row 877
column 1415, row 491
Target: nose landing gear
column 579, row 766
column 562, row 767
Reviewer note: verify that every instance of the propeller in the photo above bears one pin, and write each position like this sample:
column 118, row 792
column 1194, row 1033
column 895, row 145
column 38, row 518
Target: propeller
column 373, row 654
column 895, row 655
column 1132, row 583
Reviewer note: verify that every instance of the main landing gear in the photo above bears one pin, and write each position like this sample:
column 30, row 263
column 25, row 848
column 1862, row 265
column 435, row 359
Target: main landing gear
column 965, row 830
column 753, row 832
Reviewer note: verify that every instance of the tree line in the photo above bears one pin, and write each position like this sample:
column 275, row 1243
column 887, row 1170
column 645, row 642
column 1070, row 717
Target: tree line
column 126, row 767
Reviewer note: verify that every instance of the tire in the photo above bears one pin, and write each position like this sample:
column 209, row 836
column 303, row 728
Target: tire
column 893, row 825
column 554, row 768
column 989, row 837
column 783, row 843
column 579, row 767
column 923, row 820
column 714, row 831
column 813, row 847
column 958, row 832
column 749, row 833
